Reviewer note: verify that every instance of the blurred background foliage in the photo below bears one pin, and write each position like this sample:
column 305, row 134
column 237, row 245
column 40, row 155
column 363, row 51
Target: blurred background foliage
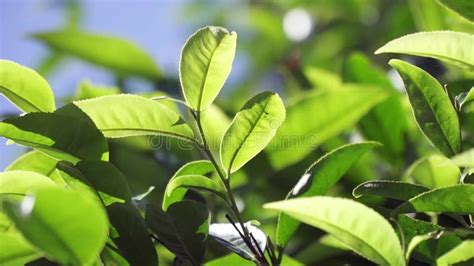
column 300, row 49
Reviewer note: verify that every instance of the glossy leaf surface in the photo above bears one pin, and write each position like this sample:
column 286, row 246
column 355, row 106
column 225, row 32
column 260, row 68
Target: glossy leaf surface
column 251, row 130
column 206, row 61
column 350, row 222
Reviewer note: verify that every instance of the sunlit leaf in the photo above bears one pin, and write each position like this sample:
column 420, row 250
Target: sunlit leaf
column 87, row 90
column 206, row 61
column 462, row 252
column 389, row 189
column 119, row 116
column 332, row 112
column 434, row 171
column 234, row 260
column 34, row 161
column 465, row 159
column 41, row 217
column 19, row 182
column 251, row 130
column 453, row 199
column 117, row 54
column 351, row 222
column 448, row 46
column 25, row 88
column 318, row 179
column 432, row 108
column 15, row 250
column 192, row 168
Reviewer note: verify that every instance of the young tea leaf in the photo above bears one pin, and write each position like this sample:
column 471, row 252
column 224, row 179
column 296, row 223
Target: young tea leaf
column 461, row 253
column 118, row 116
column 453, row 199
column 17, row 182
column 67, row 227
column 432, row 108
column 318, row 180
column 448, row 46
column 198, row 168
column 351, row 222
column 206, row 61
column 15, row 250
column 251, row 130
column 465, row 159
column 119, row 55
column 34, row 161
column 434, row 171
column 25, row 88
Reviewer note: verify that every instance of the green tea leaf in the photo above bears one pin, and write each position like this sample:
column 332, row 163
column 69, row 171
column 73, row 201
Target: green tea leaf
column 117, row 116
column 432, row 108
column 34, row 161
column 318, row 180
column 448, row 46
column 351, row 222
column 182, row 229
column 55, row 135
column 25, row 88
column 464, row 8
column 87, row 90
column 251, row 130
column 332, row 112
column 199, row 168
column 19, row 182
column 206, row 61
column 131, row 235
column 467, row 103
column 117, row 54
column 453, row 199
column 434, row 171
column 197, row 182
column 462, row 252
column 41, row 217
column 389, row 189
column 15, row 250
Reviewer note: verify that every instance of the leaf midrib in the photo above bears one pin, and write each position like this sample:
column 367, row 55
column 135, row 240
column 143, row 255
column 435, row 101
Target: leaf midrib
column 20, row 97
column 156, row 132
column 234, row 156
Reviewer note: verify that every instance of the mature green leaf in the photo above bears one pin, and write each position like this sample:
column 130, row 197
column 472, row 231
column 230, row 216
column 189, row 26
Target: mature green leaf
column 103, row 177
column 131, row 235
column 41, row 217
column 389, row 189
column 234, row 260
column 318, row 180
column 448, row 46
column 55, row 135
column 453, row 199
column 227, row 235
column 251, row 130
column 386, row 123
column 417, row 240
column 21, row 182
column 206, row 61
column 465, row 159
column 118, row 116
column 15, row 250
column 34, row 161
column 110, row 256
column 432, row 108
column 331, row 113
column 462, row 252
column 434, row 171
column 325, row 247
column 351, row 222
column 464, row 8
column 197, row 182
column 119, row 55
column 25, row 88
column 199, row 168
column 182, row 229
